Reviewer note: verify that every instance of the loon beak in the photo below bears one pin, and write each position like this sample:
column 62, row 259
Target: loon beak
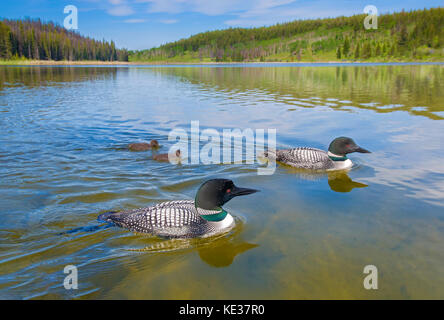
column 361, row 150
column 236, row 191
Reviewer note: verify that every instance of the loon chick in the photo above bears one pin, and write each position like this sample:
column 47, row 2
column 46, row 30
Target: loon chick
column 184, row 218
column 143, row 146
column 166, row 157
column 316, row 159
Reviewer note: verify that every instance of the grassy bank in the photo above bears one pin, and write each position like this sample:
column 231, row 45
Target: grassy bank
column 193, row 62
column 285, row 58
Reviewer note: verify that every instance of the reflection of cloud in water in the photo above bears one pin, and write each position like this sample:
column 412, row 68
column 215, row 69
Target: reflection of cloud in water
column 414, row 162
column 421, row 183
column 439, row 114
column 390, row 106
column 419, row 109
column 369, row 104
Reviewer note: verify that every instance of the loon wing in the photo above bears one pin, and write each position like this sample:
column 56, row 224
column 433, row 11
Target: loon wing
column 306, row 158
column 170, row 219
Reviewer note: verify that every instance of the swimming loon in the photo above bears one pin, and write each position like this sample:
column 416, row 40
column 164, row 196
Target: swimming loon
column 165, row 157
column 316, row 159
column 143, row 146
column 184, row 218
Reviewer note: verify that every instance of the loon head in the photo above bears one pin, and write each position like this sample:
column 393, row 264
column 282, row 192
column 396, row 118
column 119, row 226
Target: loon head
column 154, row 144
column 214, row 193
column 343, row 145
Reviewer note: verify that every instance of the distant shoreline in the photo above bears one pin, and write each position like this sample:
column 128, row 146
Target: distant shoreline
column 58, row 63
column 164, row 63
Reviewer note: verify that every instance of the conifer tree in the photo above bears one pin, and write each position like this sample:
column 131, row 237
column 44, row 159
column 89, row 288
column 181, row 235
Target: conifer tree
column 357, row 53
column 33, row 39
column 346, row 47
column 5, row 44
column 338, row 53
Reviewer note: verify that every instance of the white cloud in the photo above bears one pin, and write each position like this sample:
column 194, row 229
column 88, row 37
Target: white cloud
column 120, row 10
column 247, row 13
column 211, row 7
column 169, row 21
column 134, row 20
column 261, row 16
column 244, row 13
column 116, row 2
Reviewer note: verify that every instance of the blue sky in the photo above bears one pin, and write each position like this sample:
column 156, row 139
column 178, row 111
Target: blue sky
column 141, row 24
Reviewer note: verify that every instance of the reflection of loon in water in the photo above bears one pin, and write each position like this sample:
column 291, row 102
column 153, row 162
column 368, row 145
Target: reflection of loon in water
column 339, row 181
column 219, row 251
column 224, row 252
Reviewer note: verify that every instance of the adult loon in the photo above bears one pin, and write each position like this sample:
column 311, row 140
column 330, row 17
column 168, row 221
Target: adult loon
column 143, row 146
column 184, row 218
column 315, row 159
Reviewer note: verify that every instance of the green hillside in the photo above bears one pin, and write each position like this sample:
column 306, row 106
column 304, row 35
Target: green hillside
column 402, row 36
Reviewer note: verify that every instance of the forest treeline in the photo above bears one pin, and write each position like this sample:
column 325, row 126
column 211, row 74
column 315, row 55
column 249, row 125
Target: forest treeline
column 34, row 39
column 415, row 35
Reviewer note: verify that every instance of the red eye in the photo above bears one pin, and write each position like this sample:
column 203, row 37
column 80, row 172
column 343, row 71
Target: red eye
column 228, row 190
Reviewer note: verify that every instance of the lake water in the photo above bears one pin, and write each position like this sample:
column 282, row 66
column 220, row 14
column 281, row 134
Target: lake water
column 63, row 156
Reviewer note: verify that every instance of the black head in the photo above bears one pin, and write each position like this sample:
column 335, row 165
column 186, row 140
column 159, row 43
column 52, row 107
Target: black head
column 213, row 193
column 154, row 144
column 343, row 145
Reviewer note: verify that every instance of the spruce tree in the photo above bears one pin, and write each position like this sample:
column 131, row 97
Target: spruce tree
column 377, row 50
column 338, row 53
column 5, row 43
column 346, row 47
column 357, row 53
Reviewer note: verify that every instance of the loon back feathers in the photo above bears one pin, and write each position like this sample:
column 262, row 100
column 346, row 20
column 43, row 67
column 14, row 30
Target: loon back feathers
column 305, row 158
column 178, row 219
column 316, row 159
column 184, row 218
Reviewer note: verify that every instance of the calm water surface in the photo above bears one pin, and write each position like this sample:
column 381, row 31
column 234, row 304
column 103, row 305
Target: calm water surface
column 63, row 161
